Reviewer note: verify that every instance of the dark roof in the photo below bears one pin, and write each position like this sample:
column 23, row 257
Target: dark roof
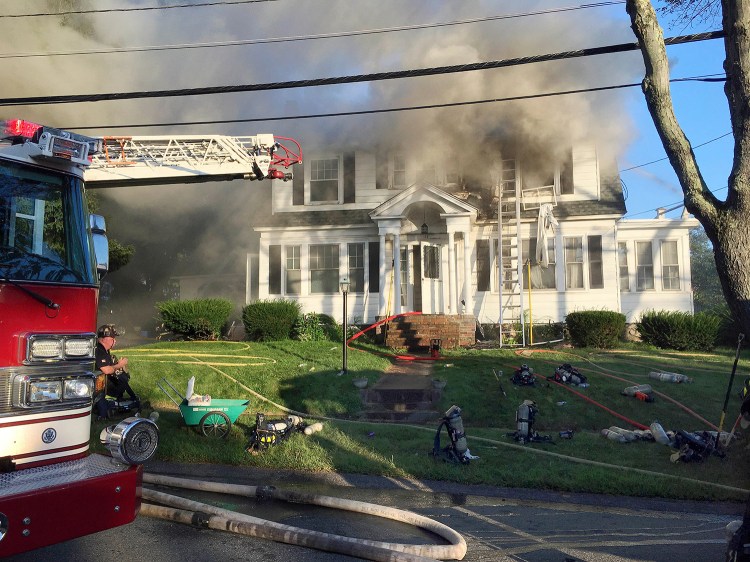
column 316, row 218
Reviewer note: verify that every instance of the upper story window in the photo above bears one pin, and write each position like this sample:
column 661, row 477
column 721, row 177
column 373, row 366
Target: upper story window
column 549, row 176
column 398, row 171
column 324, row 180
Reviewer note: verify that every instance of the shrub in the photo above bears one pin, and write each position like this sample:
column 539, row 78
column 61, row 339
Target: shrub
column 270, row 320
column 199, row 319
column 680, row 330
column 595, row 328
column 309, row 327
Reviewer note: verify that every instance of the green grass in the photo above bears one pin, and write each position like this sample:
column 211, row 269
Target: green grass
column 303, row 376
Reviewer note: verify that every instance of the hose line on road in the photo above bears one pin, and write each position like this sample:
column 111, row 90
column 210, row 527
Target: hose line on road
column 184, row 510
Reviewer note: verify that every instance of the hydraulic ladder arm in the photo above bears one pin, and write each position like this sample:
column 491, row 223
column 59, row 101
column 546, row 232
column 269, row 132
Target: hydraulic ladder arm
column 150, row 160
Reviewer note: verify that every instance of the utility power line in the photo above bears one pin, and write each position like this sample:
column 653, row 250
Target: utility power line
column 665, row 158
column 303, row 37
column 609, row 49
column 141, row 9
column 391, row 109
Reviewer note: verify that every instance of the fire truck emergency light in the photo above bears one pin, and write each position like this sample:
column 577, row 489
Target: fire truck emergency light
column 52, row 143
column 18, row 128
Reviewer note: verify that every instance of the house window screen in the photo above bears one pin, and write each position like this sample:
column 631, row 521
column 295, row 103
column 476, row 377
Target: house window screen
column 274, row 270
column 324, row 180
column 574, row 263
column 483, row 265
column 541, row 277
column 644, row 272
column 293, row 270
column 324, row 268
column 622, row 262
column 670, row 267
column 596, row 266
column 356, row 268
column 431, row 269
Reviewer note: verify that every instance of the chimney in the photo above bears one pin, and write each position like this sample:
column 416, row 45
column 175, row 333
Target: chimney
column 660, row 212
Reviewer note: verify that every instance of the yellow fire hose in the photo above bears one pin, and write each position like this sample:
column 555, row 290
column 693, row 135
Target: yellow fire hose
column 184, row 511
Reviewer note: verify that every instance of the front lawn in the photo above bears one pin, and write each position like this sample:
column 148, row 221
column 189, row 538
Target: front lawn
column 303, row 376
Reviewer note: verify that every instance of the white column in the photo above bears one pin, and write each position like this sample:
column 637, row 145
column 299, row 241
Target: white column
column 382, row 276
column 468, row 295
column 452, row 308
column 396, row 273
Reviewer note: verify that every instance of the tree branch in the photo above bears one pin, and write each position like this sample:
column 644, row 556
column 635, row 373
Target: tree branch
column 735, row 21
column 698, row 199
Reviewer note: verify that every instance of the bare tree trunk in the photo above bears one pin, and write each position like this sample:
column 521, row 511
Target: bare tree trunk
column 727, row 223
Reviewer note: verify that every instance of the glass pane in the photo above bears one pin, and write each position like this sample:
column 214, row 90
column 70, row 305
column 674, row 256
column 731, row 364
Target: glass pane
column 43, row 227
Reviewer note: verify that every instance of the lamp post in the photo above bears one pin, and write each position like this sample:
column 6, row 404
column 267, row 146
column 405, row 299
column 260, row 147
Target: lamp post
column 344, row 286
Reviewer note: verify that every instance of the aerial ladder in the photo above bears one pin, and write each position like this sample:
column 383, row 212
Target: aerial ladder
column 171, row 159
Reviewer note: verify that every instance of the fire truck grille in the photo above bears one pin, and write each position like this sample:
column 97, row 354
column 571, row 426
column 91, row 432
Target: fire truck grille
column 5, row 402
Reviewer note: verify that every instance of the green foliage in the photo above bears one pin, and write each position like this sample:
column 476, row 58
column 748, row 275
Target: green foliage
column 309, row 327
column 119, row 255
column 199, row 319
column 595, row 328
column 679, row 330
column 270, row 320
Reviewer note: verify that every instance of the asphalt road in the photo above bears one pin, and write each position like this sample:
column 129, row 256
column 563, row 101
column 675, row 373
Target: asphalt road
column 498, row 524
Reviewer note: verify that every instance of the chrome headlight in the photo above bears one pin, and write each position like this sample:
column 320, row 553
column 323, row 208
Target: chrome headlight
column 41, row 391
column 78, row 389
column 31, row 391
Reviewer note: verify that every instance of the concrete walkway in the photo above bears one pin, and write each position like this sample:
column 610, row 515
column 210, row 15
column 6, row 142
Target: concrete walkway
column 404, row 392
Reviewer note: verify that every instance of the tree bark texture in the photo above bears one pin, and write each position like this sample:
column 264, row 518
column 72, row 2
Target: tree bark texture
column 727, row 222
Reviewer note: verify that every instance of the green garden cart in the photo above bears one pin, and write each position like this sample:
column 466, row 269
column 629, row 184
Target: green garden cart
column 213, row 416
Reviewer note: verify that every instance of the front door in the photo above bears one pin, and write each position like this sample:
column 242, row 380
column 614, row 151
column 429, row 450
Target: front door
column 432, row 286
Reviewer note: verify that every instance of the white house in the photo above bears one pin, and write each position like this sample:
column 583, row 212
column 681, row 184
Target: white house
column 422, row 235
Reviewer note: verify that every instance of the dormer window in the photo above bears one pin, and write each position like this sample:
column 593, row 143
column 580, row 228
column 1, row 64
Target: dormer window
column 324, row 180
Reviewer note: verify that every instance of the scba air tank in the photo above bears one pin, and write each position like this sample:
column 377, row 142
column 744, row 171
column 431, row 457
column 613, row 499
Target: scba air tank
column 524, row 419
column 632, row 390
column 456, row 429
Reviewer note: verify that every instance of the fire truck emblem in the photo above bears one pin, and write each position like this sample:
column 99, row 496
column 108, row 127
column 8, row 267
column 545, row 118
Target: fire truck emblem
column 49, row 435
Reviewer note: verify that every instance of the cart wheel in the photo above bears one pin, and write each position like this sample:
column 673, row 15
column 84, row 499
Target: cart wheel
column 216, row 424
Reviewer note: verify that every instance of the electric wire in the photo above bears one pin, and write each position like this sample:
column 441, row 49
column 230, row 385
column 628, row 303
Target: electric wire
column 665, row 158
column 141, row 9
column 372, row 111
column 351, row 79
column 333, row 35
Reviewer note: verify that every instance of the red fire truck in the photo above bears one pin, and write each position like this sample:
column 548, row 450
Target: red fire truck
column 52, row 256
